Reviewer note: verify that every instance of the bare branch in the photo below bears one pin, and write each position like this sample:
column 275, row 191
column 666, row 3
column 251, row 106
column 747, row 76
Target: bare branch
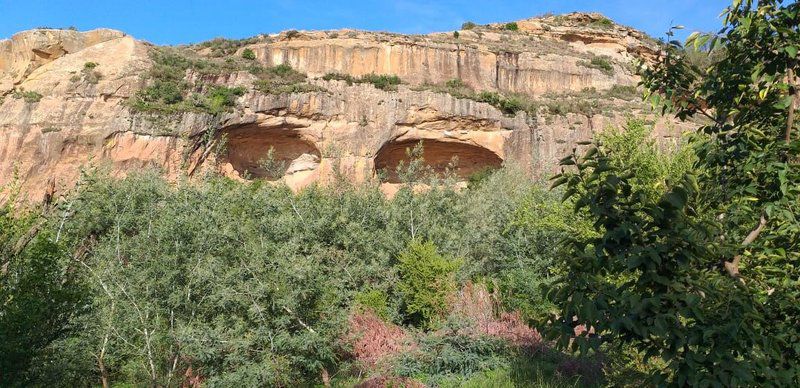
column 298, row 319
column 790, row 119
column 732, row 267
column 27, row 238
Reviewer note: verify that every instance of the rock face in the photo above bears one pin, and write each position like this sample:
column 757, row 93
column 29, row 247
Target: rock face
column 67, row 103
column 542, row 57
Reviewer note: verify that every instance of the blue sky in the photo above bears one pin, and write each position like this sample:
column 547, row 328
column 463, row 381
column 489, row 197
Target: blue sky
column 184, row 21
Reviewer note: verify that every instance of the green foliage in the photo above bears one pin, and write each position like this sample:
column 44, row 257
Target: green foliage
column 633, row 149
column 702, row 273
column 28, row 96
column 506, row 105
column 248, row 54
column 168, row 87
column 588, row 102
column 272, row 168
column 220, row 98
column 380, row 81
column 479, row 177
column 339, row 77
column 457, row 360
column 599, row 62
column 427, row 279
column 282, row 79
column 39, row 294
column 89, row 74
column 221, row 47
column 458, row 355
column 455, row 83
column 168, row 92
column 454, row 87
column 456, row 34
column 603, row 23
column 374, row 300
column 511, row 26
column 624, row 92
column 248, row 283
column 468, row 25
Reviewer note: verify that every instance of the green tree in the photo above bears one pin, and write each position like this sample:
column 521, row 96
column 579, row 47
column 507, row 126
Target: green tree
column 427, row 279
column 704, row 275
column 38, row 293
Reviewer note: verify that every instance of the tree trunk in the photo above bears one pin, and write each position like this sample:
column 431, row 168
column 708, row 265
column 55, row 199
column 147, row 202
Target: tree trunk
column 103, row 373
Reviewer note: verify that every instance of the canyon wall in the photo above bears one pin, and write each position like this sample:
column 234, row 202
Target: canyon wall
column 67, row 105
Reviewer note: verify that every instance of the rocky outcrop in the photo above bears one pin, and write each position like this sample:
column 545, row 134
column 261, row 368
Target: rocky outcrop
column 71, row 107
column 29, row 50
column 541, row 57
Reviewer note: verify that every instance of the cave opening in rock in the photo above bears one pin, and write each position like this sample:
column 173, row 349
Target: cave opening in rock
column 463, row 159
column 269, row 153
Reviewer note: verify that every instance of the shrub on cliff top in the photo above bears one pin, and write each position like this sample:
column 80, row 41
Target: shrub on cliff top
column 283, row 79
column 604, row 23
column 468, row 25
column 339, row 77
column 381, row 81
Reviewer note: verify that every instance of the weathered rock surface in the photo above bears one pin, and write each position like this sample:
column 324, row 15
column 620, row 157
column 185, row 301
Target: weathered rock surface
column 542, row 57
column 82, row 115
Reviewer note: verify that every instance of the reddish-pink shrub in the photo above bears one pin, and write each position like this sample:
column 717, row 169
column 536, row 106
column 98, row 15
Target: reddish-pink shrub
column 477, row 306
column 374, row 340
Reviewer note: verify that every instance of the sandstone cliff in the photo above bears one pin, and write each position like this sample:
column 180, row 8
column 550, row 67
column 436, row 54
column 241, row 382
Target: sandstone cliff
column 102, row 97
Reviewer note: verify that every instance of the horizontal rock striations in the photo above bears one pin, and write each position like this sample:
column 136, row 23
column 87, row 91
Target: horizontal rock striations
column 305, row 107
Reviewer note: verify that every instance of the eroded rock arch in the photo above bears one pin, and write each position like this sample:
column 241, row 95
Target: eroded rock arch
column 270, row 153
column 465, row 158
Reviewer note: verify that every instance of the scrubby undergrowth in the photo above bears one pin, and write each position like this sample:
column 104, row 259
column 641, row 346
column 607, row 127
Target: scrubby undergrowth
column 248, row 283
column 217, row 282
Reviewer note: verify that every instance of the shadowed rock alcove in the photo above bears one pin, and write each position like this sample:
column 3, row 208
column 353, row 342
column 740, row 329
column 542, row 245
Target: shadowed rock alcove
column 438, row 155
column 269, row 153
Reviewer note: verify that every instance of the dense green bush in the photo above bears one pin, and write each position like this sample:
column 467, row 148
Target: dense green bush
column 221, row 47
column 248, row 54
column 599, row 62
column 339, row 77
column 427, row 279
column 511, row 26
column 283, row 79
column 375, row 301
column 699, row 271
column 380, row 81
column 220, row 98
column 507, row 105
column 40, row 292
column 468, row 25
column 248, row 282
column 604, row 23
